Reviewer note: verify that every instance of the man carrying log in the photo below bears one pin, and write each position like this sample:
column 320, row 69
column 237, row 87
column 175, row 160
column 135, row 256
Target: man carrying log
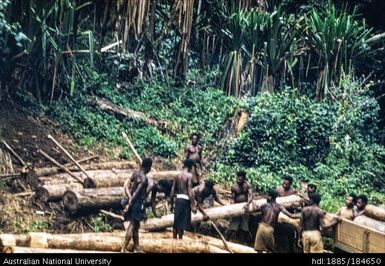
column 202, row 192
column 264, row 240
column 362, row 201
column 155, row 187
column 312, row 218
column 286, row 189
column 135, row 189
column 194, row 152
column 184, row 203
column 347, row 211
column 241, row 191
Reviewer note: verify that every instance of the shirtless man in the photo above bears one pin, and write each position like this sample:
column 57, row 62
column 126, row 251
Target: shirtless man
column 135, row 189
column 347, row 211
column 203, row 191
column 311, row 188
column 286, row 189
column 155, row 187
column 184, row 204
column 264, row 239
column 241, row 191
column 194, row 152
column 362, row 201
column 312, row 219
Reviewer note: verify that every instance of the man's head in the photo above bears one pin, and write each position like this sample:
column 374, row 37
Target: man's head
column 315, row 198
column 194, row 139
column 147, row 164
column 311, row 188
column 351, row 200
column 362, row 201
column 272, row 195
column 287, row 181
column 188, row 164
column 209, row 184
column 241, row 177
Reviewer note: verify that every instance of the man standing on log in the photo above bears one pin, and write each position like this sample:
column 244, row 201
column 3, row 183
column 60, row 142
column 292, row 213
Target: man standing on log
column 286, row 189
column 264, row 240
column 194, row 152
column 362, row 201
column 184, row 203
column 312, row 219
column 241, row 191
column 135, row 189
column 202, row 192
column 347, row 211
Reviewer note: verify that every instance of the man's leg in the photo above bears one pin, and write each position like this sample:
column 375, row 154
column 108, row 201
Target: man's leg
column 128, row 237
column 136, row 234
column 181, row 233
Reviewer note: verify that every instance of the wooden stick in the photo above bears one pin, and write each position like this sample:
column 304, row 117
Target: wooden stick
column 132, row 147
column 110, row 46
column 221, row 236
column 69, row 156
column 10, row 176
column 14, row 153
column 83, row 160
column 113, row 215
column 52, row 160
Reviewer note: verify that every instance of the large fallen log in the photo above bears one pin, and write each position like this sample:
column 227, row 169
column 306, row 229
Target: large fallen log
column 221, row 212
column 48, row 193
column 93, row 166
column 92, row 199
column 371, row 223
column 13, row 240
column 375, row 212
column 148, row 243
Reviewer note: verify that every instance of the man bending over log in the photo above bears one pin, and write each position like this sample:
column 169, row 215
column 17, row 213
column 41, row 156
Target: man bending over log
column 347, row 211
column 135, row 189
column 362, row 201
column 184, row 203
column 312, row 218
column 241, row 191
column 264, row 240
column 202, row 192
column 194, row 152
column 155, row 187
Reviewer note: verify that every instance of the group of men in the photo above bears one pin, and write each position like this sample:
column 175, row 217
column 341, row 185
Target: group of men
column 188, row 192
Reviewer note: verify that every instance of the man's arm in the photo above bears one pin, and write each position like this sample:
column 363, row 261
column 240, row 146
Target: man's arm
column 172, row 194
column 136, row 192
column 126, row 188
column 217, row 199
column 187, row 152
column 300, row 229
column 153, row 200
column 200, row 156
column 190, row 194
column 284, row 211
column 249, row 197
column 325, row 226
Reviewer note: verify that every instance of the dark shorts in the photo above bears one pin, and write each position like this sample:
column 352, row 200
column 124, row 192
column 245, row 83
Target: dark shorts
column 182, row 214
column 136, row 212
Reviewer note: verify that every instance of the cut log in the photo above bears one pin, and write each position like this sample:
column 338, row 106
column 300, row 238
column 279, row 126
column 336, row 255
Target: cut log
column 48, row 193
column 13, row 240
column 221, row 212
column 371, row 223
column 148, row 243
column 92, row 199
column 22, row 250
column 375, row 212
column 118, row 178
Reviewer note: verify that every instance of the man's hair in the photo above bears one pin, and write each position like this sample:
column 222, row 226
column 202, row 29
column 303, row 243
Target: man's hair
column 188, row 163
column 315, row 198
column 354, row 197
column 147, row 163
column 195, row 134
column 288, row 178
column 313, row 186
column 273, row 193
column 242, row 174
column 363, row 197
column 209, row 183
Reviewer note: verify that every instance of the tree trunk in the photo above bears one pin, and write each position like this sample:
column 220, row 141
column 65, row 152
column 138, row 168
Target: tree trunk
column 22, row 250
column 49, row 193
column 375, row 212
column 94, row 166
column 99, row 181
column 369, row 222
column 151, row 243
column 92, row 199
column 220, row 212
